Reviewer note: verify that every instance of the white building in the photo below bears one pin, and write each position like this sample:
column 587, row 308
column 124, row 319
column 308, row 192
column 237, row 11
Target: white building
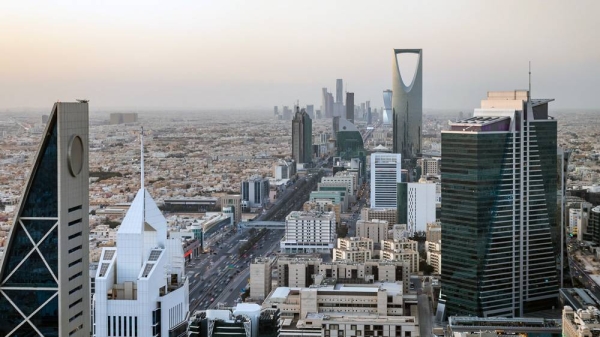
column 421, row 205
column 385, row 176
column 310, row 231
column 140, row 286
column 574, row 220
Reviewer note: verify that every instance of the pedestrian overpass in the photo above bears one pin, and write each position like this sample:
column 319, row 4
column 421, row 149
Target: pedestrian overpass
column 262, row 224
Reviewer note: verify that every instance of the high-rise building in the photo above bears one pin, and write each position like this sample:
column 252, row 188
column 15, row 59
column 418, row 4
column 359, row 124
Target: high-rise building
column 350, row 106
column 45, row 288
column 387, row 110
column 407, row 107
column 310, row 110
column 349, row 141
column 302, row 137
column 324, row 100
column 385, row 176
column 339, row 91
column 499, row 232
column 140, row 285
column 330, row 105
column 275, row 110
column 255, row 192
column 416, row 205
column 286, row 113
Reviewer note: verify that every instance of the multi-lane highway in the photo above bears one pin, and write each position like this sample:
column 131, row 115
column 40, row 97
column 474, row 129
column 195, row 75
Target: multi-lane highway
column 220, row 277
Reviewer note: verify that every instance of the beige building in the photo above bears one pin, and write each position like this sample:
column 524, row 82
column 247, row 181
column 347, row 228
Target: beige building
column 123, row 118
column 260, row 278
column 297, row 270
column 434, row 256
column 387, row 214
column 369, row 271
column 235, row 201
column 376, row 230
column 343, row 310
column 434, row 232
column 401, row 250
column 353, row 249
column 306, row 270
column 323, row 205
column 580, row 323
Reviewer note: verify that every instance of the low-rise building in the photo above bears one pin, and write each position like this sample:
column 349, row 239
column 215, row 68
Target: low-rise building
column 343, row 310
column 581, row 322
column 387, row 214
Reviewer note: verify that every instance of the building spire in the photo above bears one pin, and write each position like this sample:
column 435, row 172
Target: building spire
column 142, row 159
column 529, row 91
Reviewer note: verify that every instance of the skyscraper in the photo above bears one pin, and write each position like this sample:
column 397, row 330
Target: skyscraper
column 44, row 287
column 500, row 239
column 310, row 110
column 324, row 101
column 301, row 137
column 385, row 176
column 387, row 103
column 416, row 205
column 350, row 106
column 141, row 288
column 339, row 91
column 329, row 105
column 407, row 107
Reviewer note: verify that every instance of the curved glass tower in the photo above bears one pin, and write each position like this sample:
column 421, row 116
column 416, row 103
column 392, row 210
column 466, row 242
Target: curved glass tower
column 407, row 107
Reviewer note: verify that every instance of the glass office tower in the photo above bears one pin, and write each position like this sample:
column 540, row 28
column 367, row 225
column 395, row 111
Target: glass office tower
column 500, row 239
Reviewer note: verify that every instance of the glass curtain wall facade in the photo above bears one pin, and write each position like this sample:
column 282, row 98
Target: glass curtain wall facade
column 500, row 240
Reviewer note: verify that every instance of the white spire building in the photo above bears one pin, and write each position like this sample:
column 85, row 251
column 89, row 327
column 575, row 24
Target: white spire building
column 141, row 288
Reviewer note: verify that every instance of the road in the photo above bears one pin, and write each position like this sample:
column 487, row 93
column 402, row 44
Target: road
column 424, row 307
column 219, row 277
column 212, row 275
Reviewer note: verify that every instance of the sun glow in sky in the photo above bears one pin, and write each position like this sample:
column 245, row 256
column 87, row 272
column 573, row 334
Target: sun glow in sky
column 256, row 54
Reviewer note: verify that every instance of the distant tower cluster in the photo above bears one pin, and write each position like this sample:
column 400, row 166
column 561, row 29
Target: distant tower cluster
column 407, row 107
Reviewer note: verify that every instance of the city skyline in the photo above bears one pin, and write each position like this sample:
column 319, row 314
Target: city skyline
column 194, row 55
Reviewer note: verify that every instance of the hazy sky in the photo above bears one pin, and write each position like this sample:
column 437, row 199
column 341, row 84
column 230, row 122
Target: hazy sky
column 253, row 54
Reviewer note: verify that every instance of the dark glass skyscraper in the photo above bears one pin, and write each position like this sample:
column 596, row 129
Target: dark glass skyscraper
column 500, row 240
column 44, row 275
column 302, row 137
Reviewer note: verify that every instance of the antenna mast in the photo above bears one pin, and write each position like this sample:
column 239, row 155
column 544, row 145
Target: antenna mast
column 142, row 159
column 529, row 92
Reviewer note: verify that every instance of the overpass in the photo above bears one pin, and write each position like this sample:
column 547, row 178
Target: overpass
column 262, row 224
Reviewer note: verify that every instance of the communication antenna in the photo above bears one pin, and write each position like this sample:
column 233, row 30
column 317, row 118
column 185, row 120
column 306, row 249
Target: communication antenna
column 529, row 91
column 142, row 159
